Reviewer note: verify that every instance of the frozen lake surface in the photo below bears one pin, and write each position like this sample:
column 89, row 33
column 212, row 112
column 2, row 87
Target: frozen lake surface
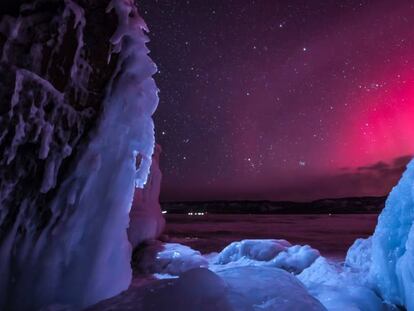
column 331, row 235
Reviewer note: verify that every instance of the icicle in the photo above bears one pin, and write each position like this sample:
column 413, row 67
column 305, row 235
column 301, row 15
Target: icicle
column 81, row 70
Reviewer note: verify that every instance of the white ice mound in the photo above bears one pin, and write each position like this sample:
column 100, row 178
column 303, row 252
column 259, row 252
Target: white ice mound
column 392, row 270
column 296, row 258
column 260, row 250
column 275, row 253
column 253, row 288
column 169, row 258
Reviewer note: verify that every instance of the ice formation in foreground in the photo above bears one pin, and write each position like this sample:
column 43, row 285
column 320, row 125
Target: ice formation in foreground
column 392, row 254
column 77, row 130
column 246, row 288
column 271, row 253
column 255, row 275
column 146, row 221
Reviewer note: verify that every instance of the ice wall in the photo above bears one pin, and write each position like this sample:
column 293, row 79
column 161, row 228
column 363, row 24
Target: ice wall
column 146, row 220
column 74, row 118
column 392, row 254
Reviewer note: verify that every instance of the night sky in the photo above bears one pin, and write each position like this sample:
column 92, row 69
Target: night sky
column 276, row 100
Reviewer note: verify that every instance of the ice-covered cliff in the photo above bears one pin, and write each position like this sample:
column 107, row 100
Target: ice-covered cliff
column 77, row 96
column 146, row 220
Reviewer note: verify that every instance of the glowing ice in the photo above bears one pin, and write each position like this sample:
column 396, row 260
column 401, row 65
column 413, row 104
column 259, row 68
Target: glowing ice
column 392, row 270
column 146, row 219
column 83, row 254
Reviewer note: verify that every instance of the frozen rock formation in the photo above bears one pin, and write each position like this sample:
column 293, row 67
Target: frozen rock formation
column 392, row 269
column 146, row 220
column 77, row 98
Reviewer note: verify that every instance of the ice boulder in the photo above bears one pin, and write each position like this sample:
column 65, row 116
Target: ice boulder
column 295, row 258
column 260, row 250
column 275, row 253
column 253, row 288
column 169, row 258
column 392, row 269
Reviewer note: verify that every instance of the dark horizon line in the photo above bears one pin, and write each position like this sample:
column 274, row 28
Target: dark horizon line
column 273, row 201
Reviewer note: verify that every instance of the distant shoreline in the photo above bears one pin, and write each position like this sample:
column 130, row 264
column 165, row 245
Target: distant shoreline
column 352, row 205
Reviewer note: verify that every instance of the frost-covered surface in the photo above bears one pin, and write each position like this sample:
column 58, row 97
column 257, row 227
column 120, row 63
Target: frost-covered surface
column 392, row 270
column 146, row 220
column 62, row 230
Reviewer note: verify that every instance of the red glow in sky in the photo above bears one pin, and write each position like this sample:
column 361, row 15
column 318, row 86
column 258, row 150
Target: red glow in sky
column 283, row 100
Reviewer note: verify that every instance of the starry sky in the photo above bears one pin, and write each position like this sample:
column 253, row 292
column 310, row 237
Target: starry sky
column 282, row 100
